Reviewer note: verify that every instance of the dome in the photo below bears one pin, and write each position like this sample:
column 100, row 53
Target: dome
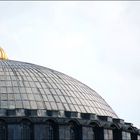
column 29, row 86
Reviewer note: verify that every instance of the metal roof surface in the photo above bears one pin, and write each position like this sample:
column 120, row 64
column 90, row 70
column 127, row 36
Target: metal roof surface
column 29, row 86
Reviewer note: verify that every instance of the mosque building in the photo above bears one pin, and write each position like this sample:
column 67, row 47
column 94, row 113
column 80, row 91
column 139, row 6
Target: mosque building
column 38, row 103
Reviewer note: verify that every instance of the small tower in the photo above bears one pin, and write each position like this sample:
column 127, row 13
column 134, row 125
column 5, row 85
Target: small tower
column 3, row 55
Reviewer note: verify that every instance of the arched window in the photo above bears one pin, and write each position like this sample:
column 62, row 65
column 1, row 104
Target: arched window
column 108, row 134
column 70, row 131
column 26, row 130
column 88, row 133
column 74, row 132
column 2, row 130
column 116, row 132
column 50, row 130
column 46, row 131
column 126, row 135
column 97, row 131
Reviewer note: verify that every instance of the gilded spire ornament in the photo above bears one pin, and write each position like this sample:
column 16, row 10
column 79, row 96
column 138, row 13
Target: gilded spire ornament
column 3, row 55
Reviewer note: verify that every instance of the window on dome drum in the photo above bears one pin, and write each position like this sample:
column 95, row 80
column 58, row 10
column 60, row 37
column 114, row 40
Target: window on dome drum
column 70, row 131
column 88, row 133
column 46, row 131
column 73, row 131
column 72, row 134
column 25, row 130
column 14, row 132
column 108, row 134
column 2, row 130
column 138, row 137
column 50, row 130
column 64, row 132
column 126, row 135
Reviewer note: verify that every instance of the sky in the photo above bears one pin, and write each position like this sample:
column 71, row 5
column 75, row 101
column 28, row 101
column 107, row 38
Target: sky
column 95, row 42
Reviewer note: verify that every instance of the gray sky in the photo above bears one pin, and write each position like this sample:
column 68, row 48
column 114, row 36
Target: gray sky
column 95, row 42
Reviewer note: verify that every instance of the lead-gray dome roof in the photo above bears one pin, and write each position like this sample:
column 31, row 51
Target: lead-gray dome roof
column 29, row 86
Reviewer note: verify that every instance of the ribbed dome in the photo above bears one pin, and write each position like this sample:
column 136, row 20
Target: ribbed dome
column 29, row 86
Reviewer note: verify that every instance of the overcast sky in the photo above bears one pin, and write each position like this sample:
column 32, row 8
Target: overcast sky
column 98, row 43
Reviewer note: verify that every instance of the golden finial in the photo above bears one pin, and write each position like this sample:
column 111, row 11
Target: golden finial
column 3, row 55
